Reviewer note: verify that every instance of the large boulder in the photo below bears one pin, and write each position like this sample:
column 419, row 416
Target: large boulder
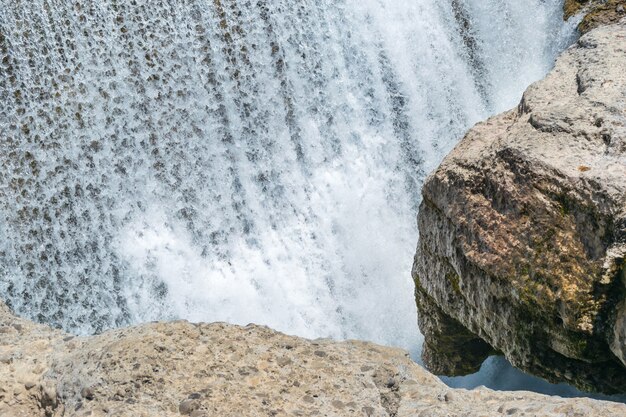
column 180, row 368
column 523, row 229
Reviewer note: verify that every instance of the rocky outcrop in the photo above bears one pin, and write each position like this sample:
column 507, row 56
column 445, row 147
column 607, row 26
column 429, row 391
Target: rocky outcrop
column 179, row 368
column 596, row 12
column 523, row 229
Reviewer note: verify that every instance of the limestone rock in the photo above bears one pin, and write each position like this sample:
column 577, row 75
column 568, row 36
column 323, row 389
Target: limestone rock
column 179, row 368
column 523, row 227
column 596, row 12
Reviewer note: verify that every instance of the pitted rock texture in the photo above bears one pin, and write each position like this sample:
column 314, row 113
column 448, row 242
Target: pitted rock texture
column 523, row 226
column 179, row 368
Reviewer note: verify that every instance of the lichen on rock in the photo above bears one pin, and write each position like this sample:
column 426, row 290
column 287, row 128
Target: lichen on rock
column 596, row 12
column 528, row 215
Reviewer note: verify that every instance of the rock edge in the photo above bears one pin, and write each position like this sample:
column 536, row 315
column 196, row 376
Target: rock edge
column 180, row 368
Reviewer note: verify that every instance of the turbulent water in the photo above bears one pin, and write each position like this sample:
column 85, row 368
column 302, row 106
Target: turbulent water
column 242, row 161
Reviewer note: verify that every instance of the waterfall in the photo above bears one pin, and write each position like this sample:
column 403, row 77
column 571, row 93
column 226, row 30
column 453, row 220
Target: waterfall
column 241, row 161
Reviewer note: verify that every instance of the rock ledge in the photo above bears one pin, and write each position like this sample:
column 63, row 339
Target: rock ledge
column 179, row 368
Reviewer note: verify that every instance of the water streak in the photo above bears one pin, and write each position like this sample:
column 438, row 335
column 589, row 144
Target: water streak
column 243, row 161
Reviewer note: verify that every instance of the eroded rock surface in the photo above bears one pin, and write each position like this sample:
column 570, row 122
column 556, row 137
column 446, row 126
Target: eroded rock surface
column 179, row 368
column 596, row 12
column 523, row 227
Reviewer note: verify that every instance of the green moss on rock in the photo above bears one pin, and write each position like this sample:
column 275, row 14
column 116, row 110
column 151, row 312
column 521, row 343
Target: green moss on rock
column 598, row 12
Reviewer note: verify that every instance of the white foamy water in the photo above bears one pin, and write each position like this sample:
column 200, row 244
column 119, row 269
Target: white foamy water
column 241, row 161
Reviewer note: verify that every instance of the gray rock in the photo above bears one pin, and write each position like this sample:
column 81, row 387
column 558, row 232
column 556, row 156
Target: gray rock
column 284, row 361
column 186, row 407
column 87, row 393
column 523, row 230
column 338, row 404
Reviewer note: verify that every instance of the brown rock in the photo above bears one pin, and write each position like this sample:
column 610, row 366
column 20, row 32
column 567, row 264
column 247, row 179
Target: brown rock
column 523, row 230
column 596, row 12
column 338, row 387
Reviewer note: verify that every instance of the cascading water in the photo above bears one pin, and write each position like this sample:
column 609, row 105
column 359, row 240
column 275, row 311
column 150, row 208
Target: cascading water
column 242, row 161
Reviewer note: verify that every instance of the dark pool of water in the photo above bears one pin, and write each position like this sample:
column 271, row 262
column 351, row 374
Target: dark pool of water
column 498, row 374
